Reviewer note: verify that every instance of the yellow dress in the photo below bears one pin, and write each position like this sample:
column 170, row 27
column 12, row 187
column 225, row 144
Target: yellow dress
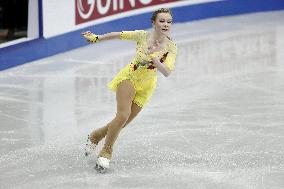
column 141, row 72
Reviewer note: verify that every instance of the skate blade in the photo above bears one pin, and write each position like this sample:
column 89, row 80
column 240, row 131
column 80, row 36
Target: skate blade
column 100, row 169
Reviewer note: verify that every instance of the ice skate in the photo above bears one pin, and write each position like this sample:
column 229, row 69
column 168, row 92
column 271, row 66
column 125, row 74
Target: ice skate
column 102, row 164
column 90, row 147
column 93, row 139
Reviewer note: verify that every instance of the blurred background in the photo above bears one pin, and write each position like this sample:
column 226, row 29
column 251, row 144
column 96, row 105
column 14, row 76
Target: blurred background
column 14, row 19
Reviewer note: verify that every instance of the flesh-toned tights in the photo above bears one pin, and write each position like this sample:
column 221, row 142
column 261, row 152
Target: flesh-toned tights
column 127, row 110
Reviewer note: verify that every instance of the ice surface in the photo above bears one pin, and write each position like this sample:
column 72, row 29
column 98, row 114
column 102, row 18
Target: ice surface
column 216, row 123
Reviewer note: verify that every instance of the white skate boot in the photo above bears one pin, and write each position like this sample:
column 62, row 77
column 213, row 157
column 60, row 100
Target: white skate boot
column 90, row 147
column 102, row 164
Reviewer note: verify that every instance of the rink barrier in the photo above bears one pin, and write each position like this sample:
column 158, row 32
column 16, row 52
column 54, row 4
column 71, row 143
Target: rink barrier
column 39, row 48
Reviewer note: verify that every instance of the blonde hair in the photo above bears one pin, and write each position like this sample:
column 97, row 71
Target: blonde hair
column 161, row 10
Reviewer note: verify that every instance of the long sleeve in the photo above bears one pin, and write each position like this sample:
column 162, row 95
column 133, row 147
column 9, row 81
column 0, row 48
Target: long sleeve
column 135, row 35
column 171, row 57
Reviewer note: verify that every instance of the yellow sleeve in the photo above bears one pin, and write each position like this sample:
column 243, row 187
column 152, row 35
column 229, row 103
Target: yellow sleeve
column 171, row 57
column 135, row 35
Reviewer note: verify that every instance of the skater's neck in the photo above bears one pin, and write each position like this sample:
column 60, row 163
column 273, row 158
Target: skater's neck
column 158, row 37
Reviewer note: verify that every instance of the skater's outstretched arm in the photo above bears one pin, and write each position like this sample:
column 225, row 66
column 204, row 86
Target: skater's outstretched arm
column 108, row 36
column 124, row 35
column 93, row 38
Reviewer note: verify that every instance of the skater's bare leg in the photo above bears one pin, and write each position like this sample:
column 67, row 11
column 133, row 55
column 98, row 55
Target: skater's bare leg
column 124, row 97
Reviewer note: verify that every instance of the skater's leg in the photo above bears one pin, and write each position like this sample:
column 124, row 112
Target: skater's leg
column 97, row 135
column 135, row 109
column 124, row 97
column 93, row 139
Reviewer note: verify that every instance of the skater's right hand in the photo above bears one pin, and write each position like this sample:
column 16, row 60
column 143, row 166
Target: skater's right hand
column 91, row 37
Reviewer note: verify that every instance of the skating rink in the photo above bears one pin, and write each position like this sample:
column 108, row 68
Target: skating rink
column 216, row 123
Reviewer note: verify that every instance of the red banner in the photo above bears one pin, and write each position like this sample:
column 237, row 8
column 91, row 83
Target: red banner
column 89, row 10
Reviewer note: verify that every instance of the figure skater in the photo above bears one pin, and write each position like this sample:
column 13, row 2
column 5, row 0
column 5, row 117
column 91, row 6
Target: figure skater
column 135, row 83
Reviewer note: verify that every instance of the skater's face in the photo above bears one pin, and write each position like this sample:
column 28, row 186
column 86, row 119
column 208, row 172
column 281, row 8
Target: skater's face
column 163, row 23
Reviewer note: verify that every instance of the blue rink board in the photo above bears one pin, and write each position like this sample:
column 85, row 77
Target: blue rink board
column 39, row 48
